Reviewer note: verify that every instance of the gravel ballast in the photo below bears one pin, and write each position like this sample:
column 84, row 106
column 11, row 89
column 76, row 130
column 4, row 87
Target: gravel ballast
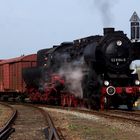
column 80, row 126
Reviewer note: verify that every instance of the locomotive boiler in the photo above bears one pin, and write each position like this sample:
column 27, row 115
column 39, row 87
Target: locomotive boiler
column 92, row 71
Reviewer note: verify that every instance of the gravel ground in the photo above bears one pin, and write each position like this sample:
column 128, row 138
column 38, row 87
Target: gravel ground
column 79, row 126
column 5, row 113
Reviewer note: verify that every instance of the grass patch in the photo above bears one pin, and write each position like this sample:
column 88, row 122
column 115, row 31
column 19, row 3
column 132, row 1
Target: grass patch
column 73, row 127
column 96, row 131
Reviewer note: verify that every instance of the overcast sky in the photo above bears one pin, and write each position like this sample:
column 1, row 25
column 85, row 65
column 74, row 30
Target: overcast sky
column 29, row 25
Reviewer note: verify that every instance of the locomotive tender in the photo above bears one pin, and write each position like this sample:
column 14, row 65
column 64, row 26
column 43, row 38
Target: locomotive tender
column 92, row 71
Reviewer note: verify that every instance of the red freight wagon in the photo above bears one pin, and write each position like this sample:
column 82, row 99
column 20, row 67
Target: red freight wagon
column 11, row 73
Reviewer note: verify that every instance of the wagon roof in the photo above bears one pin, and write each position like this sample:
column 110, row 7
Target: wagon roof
column 31, row 57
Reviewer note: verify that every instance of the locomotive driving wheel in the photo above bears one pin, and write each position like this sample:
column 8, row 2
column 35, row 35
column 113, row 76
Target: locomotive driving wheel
column 130, row 105
column 130, row 102
column 116, row 106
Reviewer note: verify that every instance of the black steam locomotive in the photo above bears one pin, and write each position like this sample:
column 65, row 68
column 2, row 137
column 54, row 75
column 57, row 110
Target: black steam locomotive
column 92, row 71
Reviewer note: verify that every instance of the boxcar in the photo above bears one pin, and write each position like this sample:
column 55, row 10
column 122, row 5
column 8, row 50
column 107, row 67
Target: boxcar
column 11, row 80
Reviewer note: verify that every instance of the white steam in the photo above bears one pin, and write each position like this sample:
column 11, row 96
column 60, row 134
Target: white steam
column 73, row 77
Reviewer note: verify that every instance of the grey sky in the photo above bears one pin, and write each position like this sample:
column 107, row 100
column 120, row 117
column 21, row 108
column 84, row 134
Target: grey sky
column 29, row 25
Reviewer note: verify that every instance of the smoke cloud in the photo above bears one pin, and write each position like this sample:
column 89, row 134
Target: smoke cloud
column 104, row 7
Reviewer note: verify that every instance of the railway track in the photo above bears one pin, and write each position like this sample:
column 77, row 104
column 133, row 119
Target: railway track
column 121, row 115
column 32, row 123
column 122, row 111
column 7, row 129
column 124, row 116
column 127, row 116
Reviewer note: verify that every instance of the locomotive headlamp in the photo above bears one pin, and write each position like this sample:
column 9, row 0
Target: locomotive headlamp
column 137, row 82
column 106, row 83
column 119, row 42
column 111, row 90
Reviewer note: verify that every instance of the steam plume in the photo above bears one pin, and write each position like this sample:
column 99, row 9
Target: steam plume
column 73, row 76
column 104, row 7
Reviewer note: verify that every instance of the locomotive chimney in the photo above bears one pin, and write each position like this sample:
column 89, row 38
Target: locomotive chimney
column 135, row 27
column 108, row 30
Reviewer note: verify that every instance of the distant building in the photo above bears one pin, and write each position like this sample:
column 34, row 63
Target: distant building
column 135, row 27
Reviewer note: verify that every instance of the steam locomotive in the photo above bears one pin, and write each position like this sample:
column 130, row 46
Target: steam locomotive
column 92, row 72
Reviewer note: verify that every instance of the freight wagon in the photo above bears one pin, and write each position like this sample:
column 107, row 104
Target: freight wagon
column 11, row 81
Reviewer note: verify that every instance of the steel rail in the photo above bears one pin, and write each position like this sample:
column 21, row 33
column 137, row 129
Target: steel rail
column 105, row 114
column 7, row 129
column 51, row 132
